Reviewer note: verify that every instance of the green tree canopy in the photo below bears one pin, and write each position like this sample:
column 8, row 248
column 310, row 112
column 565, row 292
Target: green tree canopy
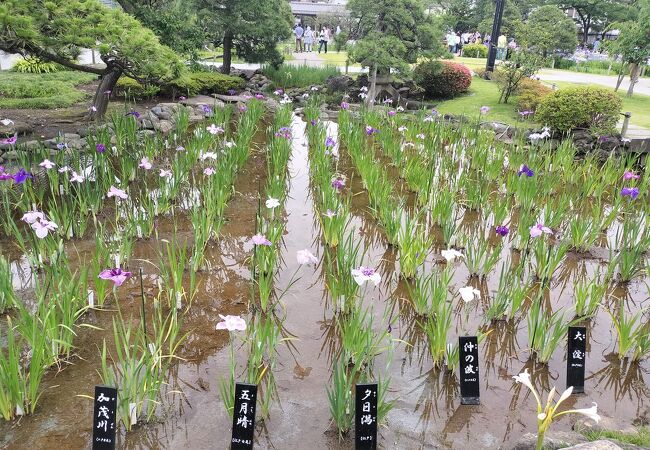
column 633, row 43
column 54, row 30
column 251, row 28
column 549, row 30
column 175, row 23
column 597, row 15
column 392, row 33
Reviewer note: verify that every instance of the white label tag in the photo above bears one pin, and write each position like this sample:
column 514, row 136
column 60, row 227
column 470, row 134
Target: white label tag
column 133, row 413
column 91, row 298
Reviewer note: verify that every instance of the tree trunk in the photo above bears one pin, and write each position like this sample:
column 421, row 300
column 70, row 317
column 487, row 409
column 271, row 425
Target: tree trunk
column 227, row 52
column 103, row 93
column 634, row 77
column 621, row 76
column 586, row 25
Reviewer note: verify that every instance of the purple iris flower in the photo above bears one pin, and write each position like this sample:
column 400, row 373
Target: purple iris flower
column 630, row 192
column 206, row 109
column 502, row 230
column 284, row 132
column 524, row 169
column 134, row 114
column 116, row 275
column 338, row 183
column 231, row 92
column 259, row 96
column 370, row 130
column 12, row 140
column 313, row 122
column 61, row 145
column 345, row 105
column 101, row 148
column 260, row 239
column 22, row 175
column 391, row 113
column 330, row 142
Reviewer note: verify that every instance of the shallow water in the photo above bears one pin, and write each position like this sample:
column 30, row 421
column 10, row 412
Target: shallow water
column 427, row 411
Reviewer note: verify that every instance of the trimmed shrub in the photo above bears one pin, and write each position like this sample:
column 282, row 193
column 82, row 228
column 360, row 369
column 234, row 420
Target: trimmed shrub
column 193, row 83
column 530, row 93
column 127, row 87
column 442, row 79
column 475, row 51
column 49, row 90
column 593, row 108
column 32, row 64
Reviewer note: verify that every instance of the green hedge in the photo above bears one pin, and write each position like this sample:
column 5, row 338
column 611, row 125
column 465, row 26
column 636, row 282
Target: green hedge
column 593, row 108
column 475, row 51
column 193, row 83
column 129, row 88
column 190, row 83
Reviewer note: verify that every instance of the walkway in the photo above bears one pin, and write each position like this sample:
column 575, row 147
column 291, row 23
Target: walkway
column 642, row 86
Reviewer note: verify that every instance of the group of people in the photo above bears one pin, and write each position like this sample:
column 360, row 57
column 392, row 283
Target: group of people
column 305, row 38
column 456, row 42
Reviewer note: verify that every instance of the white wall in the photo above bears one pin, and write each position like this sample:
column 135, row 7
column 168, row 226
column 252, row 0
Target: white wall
column 7, row 61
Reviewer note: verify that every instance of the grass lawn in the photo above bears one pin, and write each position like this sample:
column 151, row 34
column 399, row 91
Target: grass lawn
column 486, row 93
column 483, row 93
column 472, row 63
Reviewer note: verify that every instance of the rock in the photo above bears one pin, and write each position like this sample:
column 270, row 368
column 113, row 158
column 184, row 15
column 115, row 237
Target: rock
column 71, row 136
column 11, row 155
column 146, row 133
column 339, row 83
column 595, row 445
column 199, row 100
column 147, row 124
column 77, row 143
column 164, row 126
column 170, row 105
column 497, row 127
column 31, row 145
column 554, row 441
column 152, row 117
column 232, row 98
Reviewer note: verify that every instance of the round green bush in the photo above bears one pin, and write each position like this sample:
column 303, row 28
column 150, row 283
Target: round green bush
column 32, row 64
column 593, row 108
column 474, row 51
column 442, row 79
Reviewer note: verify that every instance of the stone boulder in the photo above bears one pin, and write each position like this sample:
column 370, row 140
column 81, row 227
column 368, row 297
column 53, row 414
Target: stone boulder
column 339, row 83
column 595, row 445
column 552, row 441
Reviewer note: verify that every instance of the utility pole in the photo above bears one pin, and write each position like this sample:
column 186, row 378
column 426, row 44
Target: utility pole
column 496, row 31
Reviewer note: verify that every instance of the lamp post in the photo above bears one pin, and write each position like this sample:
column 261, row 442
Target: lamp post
column 496, row 31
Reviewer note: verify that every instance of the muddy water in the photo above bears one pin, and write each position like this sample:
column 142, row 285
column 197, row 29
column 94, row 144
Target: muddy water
column 427, row 411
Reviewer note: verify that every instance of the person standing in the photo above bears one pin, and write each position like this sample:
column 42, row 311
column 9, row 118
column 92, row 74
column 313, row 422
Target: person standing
column 451, row 39
column 308, row 38
column 323, row 39
column 502, row 44
column 596, row 45
column 299, row 32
